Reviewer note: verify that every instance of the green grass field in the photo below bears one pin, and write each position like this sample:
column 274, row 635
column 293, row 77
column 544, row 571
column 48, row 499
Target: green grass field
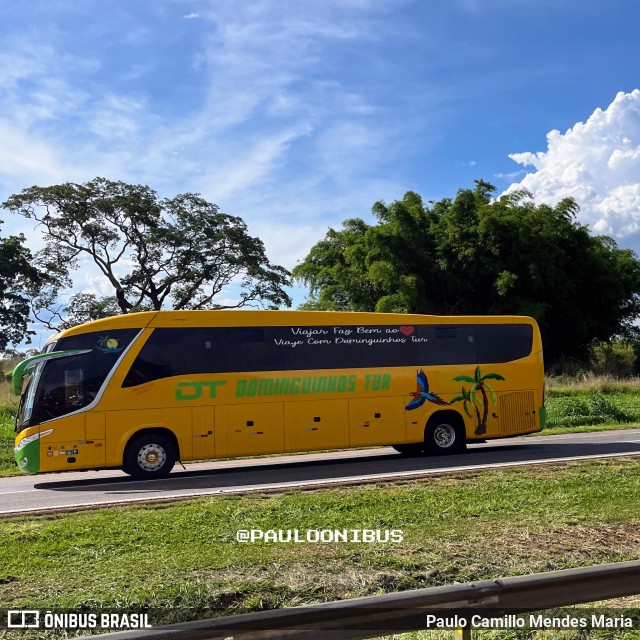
column 183, row 558
column 7, row 463
column 586, row 409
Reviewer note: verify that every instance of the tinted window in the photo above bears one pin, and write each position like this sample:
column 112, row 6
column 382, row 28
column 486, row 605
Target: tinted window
column 504, row 342
column 452, row 345
column 174, row 352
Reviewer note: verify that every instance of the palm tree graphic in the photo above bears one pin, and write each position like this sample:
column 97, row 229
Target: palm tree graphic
column 469, row 397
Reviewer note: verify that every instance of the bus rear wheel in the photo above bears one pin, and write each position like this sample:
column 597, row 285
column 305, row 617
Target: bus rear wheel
column 150, row 455
column 444, row 435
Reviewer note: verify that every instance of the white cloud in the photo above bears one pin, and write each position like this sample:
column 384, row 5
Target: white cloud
column 511, row 175
column 259, row 88
column 248, row 110
column 24, row 155
column 250, row 166
column 118, row 117
column 597, row 162
column 287, row 244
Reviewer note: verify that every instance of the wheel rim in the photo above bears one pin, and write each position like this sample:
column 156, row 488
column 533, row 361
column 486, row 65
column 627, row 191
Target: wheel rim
column 444, row 435
column 152, row 457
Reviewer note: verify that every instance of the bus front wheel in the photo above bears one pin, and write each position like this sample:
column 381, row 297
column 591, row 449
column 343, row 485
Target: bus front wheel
column 444, row 435
column 150, row 455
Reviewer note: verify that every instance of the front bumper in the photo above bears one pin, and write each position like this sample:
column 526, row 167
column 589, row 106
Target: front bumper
column 28, row 457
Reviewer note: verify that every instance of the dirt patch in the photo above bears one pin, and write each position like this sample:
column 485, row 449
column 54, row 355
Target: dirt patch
column 332, row 574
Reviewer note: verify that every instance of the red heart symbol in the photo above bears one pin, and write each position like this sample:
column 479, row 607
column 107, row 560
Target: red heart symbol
column 407, row 331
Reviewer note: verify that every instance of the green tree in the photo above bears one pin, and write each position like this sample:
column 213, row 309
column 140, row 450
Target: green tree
column 477, row 255
column 179, row 252
column 21, row 278
column 85, row 307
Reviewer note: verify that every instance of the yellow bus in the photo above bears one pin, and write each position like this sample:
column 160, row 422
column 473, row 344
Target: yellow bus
column 142, row 391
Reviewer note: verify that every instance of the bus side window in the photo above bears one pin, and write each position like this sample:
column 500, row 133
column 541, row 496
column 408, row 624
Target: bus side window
column 335, row 355
column 504, row 342
column 452, row 345
column 254, row 349
column 167, row 352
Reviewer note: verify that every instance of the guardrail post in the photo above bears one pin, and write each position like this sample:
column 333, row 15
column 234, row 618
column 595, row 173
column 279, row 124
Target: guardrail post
column 464, row 633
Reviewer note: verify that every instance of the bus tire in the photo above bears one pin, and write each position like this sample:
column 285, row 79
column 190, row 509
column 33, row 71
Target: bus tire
column 410, row 449
column 444, row 434
column 150, row 455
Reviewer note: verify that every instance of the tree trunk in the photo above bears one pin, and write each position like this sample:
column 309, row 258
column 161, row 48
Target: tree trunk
column 485, row 411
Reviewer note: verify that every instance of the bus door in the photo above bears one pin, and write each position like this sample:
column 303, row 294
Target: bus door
column 95, row 427
column 204, row 433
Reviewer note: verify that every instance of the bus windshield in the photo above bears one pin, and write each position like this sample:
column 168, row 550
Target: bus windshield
column 26, row 401
column 63, row 385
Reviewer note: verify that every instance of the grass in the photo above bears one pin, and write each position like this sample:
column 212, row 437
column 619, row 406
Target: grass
column 592, row 408
column 556, row 431
column 509, row 634
column 592, row 404
column 564, row 385
column 8, row 407
column 183, row 561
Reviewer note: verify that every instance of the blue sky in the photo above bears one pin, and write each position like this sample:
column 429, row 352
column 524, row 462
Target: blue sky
column 297, row 115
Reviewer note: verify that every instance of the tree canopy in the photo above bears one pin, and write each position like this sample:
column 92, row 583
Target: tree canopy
column 477, row 255
column 20, row 279
column 155, row 253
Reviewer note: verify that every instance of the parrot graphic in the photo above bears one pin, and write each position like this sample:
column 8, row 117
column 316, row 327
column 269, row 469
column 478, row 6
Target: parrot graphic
column 422, row 393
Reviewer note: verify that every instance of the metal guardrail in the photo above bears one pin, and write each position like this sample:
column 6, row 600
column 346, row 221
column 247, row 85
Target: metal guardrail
column 408, row 610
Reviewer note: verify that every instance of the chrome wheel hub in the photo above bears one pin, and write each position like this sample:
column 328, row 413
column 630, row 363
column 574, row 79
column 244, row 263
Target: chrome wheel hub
column 444, row 435
column 151, row 457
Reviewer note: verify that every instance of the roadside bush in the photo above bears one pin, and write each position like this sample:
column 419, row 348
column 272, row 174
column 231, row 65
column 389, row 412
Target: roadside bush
column 567, row 368
column 571, row 411
column 616, row 358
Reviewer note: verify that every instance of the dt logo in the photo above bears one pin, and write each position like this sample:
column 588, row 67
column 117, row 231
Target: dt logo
column 193, row 390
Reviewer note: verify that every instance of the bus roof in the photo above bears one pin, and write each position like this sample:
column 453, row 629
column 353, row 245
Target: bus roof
column 241, row 317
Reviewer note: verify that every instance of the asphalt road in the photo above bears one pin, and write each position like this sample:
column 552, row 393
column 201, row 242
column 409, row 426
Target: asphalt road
column 91, row 489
